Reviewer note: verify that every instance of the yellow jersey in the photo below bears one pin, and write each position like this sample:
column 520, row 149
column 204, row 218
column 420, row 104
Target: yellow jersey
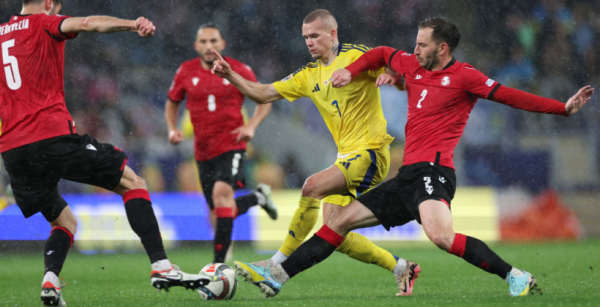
column 352, row 113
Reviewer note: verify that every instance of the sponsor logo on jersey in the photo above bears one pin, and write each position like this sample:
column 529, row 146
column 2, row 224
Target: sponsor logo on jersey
column 316, row 89
column 446, row 81
column 346, row 164
column 489, row 82
column 286, row 78
column 418, row 77
column 195, row 80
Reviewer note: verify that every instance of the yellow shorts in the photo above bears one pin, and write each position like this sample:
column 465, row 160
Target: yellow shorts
column 363, row 169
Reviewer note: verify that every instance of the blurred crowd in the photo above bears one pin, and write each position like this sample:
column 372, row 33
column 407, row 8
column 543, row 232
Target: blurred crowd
column 116, row 85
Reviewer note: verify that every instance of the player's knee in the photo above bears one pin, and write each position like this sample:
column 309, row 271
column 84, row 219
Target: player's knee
column 341, row 221
column 223, row 195
column 72, row 227
column 139, row 183
column 441, row 239
column 219, row 201
column 311, row 188
column 66, row 220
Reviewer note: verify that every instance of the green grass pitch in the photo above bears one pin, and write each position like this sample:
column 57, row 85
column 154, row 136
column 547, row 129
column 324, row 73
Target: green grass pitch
column 569, row 274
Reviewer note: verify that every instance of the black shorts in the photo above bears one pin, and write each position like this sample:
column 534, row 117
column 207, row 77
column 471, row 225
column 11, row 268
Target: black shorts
column 36, row 168
column 396, row 202
column 228, row 167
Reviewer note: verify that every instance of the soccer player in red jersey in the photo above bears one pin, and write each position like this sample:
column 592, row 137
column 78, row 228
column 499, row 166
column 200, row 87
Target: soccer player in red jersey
column 220, row 134
column 441, row 94
column 39, row 144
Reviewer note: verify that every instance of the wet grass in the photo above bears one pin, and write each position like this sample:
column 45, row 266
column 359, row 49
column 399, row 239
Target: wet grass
column 567, row 272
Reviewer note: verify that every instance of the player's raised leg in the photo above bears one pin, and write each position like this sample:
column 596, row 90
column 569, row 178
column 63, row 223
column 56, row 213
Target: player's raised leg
column 437, row 223
column 314, row 250
column 261, row 197
column 316, row 187
column 359, row 247
column 138, row 208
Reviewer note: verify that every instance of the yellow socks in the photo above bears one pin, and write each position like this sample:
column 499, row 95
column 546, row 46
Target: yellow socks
column 302, row 223
column 362, row 249
column 355, row 245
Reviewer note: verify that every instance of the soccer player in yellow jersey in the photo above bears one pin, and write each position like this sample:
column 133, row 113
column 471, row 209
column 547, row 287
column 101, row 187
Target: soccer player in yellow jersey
column 355, row 118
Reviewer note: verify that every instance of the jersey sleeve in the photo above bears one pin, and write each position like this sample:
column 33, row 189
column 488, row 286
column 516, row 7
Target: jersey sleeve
column 377, row 58
column 293, row 86
column 478, row 84
column 51, row 24
column 525, row 101
column 177, row 90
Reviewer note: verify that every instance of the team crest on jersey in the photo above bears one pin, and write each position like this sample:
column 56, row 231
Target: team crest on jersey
column 195, row 80
column 446, row 81
column 286, row 78
column 326, row 82
column 226, row 82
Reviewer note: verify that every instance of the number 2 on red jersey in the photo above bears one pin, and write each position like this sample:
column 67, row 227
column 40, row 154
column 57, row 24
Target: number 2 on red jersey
column 423, row 95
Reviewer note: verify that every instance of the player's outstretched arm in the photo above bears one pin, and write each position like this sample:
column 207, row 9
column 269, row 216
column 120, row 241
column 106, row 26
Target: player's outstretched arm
column 107, row 24
column 525, row 101
column 246, row 132
column 171, row 115
column 261, row 93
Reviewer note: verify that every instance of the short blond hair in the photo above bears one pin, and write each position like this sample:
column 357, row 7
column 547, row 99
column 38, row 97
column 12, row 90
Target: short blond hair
column 324, row 15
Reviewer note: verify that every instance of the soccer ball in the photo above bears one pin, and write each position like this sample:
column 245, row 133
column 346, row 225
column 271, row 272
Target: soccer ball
column 223, row 283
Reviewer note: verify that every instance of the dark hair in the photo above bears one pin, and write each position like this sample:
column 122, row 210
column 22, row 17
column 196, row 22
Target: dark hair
column 212, row 26
column 444, row 31
column 26, row 2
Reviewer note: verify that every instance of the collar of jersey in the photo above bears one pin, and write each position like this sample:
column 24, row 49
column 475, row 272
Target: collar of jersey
column 443, row 71
column 450, row 63
column 336, row 58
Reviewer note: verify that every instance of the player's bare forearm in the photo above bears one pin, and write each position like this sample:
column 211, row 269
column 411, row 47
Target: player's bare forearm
column 104, row 24
column 260, row 113
column 171, row 114
column 398, row 79
column 107, row 24
column 260, row 93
